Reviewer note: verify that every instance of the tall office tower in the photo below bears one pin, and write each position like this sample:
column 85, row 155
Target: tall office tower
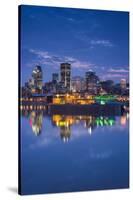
column 123, row 83
column 37, row 76
column 77, row 84
column 91, row 82
column 31, row 83
column 55, row 78
column 65, row 73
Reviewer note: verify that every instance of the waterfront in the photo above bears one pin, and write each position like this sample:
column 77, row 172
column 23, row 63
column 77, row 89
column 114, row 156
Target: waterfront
column 73, row 100
column 62, row 153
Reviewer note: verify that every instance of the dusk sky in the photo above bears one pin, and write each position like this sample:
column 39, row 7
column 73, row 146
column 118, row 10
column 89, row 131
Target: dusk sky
column 88, row 39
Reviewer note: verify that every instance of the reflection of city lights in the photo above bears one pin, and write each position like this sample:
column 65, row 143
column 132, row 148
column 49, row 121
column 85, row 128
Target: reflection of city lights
column 101, row 122
column 111, row 122
column 102, row 102
column 67, row 124
column 36, row 130
column 36, row 122
column 65, row 139
column 104, row 121
column 77, row 121
column 123, row 120
column 64, row 122
column 57, row 123
column 90, row 130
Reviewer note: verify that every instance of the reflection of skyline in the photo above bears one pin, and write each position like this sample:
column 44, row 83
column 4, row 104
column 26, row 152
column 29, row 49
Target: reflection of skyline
column 35, row 121
column 64, row 123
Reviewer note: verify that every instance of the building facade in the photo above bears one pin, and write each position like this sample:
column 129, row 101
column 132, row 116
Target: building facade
column 37, row 76
column 55, row 78
column 123, row 83
column 65, row 75
column 78, row 84
column 92, row 81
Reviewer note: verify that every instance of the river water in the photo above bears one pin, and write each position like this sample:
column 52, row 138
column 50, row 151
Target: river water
column 73, row 153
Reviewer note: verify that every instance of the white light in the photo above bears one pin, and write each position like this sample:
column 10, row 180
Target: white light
column 90, row 130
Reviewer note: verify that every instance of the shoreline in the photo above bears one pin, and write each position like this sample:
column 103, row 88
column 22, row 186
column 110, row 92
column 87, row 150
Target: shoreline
column 77, row 109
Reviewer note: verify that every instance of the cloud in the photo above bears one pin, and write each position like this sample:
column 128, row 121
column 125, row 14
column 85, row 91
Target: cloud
column 105, row 43
column 46, row 58
column 110, row 75
column 87, row 39
column 115, row 74
column 121, row 70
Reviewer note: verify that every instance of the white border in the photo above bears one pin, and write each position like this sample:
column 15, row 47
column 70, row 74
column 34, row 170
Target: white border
column 8, row 100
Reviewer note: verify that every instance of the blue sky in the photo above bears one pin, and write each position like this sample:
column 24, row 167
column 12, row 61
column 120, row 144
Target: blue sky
column 88, row 39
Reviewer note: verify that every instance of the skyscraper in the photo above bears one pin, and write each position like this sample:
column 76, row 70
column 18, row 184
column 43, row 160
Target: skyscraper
column 77, row 84
column 91, row 82
column 37, row 76
column 65, row 73
column 55, row 78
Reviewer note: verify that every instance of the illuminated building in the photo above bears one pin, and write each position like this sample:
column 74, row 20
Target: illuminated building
column 103, row 99
column 77, row 84
column 91, row 82
column 55, row 78
column 72, row 99
column 31, row 83
column 107, row 87
column 37, row 76
column 123, row 83
column 60, row 88
column 48, row 87
column 65, row 74
column 25, row 92
column 55, row 82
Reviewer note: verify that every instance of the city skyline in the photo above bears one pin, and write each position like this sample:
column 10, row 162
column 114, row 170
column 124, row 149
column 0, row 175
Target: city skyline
column 84, row 38
column 62, row 82
column 73, row 100
column 72, row 76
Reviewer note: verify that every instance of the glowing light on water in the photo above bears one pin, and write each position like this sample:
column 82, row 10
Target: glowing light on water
column 90, row 130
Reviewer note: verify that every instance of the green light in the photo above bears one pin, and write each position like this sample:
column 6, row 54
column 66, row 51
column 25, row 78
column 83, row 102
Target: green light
column 102, row 102
column 97, row 122
column 105, row 121
column 101, row 122
column 111, row 122
column 105, row 98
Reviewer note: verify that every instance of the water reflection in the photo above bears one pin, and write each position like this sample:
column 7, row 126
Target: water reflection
column 65, row 122
column 73, row 153
column 35, row 120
